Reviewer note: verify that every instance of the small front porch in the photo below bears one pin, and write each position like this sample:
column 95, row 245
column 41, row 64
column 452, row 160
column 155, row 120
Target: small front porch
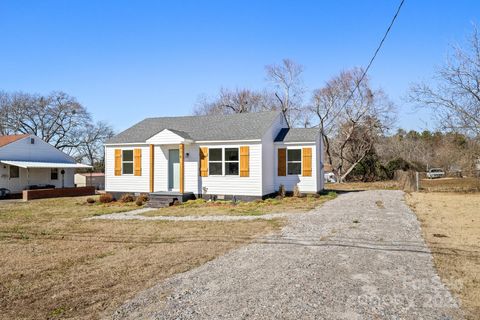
column 162, row 199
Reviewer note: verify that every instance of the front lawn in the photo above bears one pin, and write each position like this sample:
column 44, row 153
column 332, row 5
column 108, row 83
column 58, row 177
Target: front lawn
column 201, row 207
column 57, row 265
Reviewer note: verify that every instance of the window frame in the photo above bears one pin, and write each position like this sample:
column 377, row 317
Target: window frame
column 295, row 161
column 215, row 161
column 223, row 162
column 52, row 171
column 128, row 161
column 10, row 172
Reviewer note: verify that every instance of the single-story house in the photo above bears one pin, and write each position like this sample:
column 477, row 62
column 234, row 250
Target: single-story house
column 94, row 179
column 28, row 162
column 246, row 156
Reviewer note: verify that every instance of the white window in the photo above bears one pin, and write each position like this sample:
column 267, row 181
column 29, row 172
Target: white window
column 231, row 161
column 215, row 161
column 294, row 161
column 54, row 174
column 14, row 172
column 223, row 161
column 127, row 161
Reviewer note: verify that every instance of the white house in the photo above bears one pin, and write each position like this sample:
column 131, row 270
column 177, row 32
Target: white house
column 27, row 161
column 247, row 155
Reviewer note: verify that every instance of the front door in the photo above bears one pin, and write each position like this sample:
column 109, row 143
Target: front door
column 173, row 169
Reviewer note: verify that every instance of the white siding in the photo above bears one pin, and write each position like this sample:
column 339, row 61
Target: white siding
column 33, row 176
column 236, row 185
column 268, row 156
column 319, row 164
column 23, row 150
column 305, row 184
column 127, row 183
column 192, row 169
column 131, row 183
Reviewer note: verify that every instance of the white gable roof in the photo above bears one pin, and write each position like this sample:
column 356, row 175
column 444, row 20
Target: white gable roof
column 170, row 136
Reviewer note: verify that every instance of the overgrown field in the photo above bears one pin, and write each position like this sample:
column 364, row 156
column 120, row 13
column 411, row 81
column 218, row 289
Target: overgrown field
column 56, row 265
column 467, row 184
column 451, row 227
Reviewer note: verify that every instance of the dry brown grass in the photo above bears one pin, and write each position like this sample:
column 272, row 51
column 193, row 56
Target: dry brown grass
column 357, row 186
column 57, row 265
column 201, row 207
column 468, row 184
column 451, row 227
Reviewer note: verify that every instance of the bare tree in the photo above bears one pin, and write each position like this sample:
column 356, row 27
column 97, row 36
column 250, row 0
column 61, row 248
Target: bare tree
column 58, row 119
column 351, row 116
column 91, row 144
column 233, row 101
column 287, row 80
column 455, row 99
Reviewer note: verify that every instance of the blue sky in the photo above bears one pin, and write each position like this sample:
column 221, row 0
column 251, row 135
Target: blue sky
column 127, row 60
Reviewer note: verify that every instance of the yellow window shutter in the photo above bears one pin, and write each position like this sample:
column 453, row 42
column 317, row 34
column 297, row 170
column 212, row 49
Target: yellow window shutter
column 244, row 161
column 204, row 162
column 307, row 162
column 118, row 162
column 137, row 162
column 282, row 162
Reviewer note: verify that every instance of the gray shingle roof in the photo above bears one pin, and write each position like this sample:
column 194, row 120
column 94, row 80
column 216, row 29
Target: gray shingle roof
column 242, row 126
column 297, row 135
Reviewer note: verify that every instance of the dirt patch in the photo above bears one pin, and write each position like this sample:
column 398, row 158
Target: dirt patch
column 61, row 266
column 252, row 208
column 451, row 227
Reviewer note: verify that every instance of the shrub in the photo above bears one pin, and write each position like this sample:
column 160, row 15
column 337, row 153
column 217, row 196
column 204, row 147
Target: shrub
column 90, row 200
column 139, row 202
column 106, row 198
column 296, row 191
column 127, row 198
column 281, row 191
column 144, row 197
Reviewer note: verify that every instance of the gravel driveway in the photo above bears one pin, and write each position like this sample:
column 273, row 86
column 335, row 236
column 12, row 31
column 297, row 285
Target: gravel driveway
column 360, row 256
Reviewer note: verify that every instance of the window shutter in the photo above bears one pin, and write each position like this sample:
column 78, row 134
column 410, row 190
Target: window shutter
column 118, row 162
column 282, row 162
column 244, row 161
column 137, row 162
column 307, row 162
column 204, row 162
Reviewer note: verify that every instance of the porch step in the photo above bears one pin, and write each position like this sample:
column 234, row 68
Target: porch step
column 161, row 200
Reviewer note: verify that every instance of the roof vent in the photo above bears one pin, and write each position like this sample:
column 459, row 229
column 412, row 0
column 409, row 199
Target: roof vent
column 32, row 140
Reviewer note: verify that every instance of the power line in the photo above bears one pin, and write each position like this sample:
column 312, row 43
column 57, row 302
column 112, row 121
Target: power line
column 374, row 55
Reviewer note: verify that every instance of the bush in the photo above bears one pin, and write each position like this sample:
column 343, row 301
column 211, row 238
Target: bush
column 127, row 198
column 144, row 197
column 90, row 200
column 139, row 202
column 282, row 191
column 106, row 198
column 296, row 191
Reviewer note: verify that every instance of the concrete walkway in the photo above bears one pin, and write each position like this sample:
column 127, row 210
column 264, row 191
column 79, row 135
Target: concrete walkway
column 360, row 256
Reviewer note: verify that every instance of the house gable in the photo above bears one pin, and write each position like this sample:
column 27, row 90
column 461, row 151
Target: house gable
column 32, row 148
column 169, row 136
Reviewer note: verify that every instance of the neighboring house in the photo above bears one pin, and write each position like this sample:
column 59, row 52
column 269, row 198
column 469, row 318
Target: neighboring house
column 247, row 155
column 27, row 161
column 94, row 179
